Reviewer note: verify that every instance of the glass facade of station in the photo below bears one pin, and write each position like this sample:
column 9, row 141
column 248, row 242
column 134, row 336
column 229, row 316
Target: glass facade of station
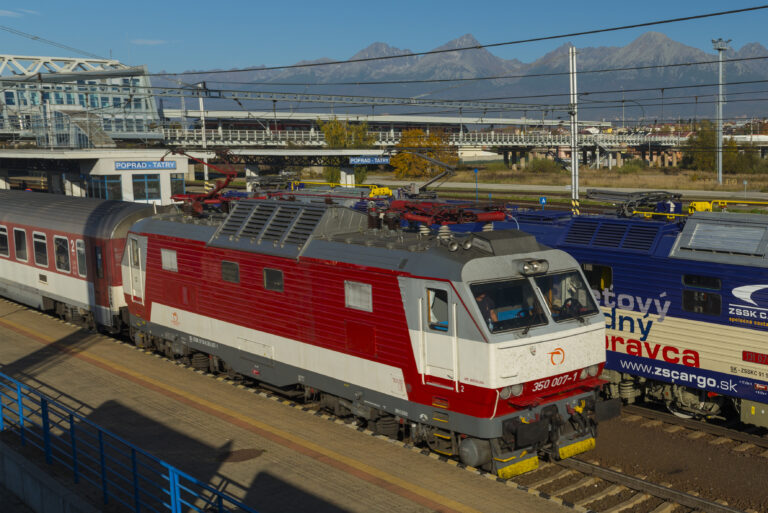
column 120, row 106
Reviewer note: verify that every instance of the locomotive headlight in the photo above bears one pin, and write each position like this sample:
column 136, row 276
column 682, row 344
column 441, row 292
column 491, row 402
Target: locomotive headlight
column 512, row 390
column 592, row 370
column 533, row 267
column 584, row 373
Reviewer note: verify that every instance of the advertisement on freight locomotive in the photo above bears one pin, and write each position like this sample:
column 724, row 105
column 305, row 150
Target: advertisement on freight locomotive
column 642, row 340
column 718, row 382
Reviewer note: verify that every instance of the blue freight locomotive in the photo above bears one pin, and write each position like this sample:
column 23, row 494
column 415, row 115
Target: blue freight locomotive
column 686, row 306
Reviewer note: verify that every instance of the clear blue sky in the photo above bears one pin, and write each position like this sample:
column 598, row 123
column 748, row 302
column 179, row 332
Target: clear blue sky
column 177, row 36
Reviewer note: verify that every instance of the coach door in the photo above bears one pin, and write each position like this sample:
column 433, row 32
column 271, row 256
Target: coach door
column 137, row 256
column 440, row 344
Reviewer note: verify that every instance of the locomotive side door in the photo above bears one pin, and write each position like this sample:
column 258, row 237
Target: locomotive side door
column 137, row 257
column 439, row 332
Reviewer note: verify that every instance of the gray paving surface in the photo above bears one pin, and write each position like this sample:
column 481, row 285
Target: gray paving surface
column 273, row 457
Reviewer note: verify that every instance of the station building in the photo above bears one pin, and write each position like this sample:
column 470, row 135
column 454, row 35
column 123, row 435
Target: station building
column 141, row 175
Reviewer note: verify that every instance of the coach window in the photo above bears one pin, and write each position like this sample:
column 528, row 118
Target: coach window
column 20, row 244
column 99, row 262
column 358, row 296
column 273, row 279
column 701, row 282
column 41, row 249
column 168, row 258
column 230, row 271
column 698, row 301
column 61, row 253
column 599, row 277
column 4, row 250
column 81, row 269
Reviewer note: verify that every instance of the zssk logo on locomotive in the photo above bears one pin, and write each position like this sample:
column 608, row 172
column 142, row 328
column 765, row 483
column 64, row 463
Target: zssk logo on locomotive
column 753, row 313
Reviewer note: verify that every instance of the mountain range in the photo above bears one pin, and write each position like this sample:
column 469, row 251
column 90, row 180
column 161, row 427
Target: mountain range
column 649, row 93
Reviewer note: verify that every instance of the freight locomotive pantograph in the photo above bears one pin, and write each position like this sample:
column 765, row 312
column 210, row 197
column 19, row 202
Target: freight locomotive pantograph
column 485, row 347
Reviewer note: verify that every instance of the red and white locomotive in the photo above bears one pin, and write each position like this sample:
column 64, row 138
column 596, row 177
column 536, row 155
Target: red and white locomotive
column 484, row 346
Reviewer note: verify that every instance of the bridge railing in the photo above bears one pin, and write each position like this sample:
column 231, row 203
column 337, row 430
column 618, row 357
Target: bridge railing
column 391, row 138
column 113, row 468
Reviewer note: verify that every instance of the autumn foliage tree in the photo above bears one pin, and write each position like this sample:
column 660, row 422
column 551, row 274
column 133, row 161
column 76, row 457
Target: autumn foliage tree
column 340, row 134
column 434, row 145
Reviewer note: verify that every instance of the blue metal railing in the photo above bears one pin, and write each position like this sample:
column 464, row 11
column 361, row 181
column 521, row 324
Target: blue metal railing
column 116, row 469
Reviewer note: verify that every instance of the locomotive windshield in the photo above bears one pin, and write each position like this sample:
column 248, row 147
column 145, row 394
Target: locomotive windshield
column 508, row 305
column 566, row 295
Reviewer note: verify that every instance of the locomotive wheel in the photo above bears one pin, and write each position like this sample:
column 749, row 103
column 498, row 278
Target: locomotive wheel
column 200, row 361
column 387, row 426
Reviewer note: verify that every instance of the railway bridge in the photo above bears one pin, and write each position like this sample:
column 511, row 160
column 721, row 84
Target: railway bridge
column 515, row 148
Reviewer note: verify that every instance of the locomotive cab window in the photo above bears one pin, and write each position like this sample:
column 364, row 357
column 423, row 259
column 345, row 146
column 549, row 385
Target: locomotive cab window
column 81, row 269
column 437, row 309
column 599, row 277
column 20, row 244
column 230, row 271
column 4, row 249
column 567, row 296
column 41, row 249
column 61, row 253
column 273, row 279
column 698, row 301
column 358, row 296
column 508, row 305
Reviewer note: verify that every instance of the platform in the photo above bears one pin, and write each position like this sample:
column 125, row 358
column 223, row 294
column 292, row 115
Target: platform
column 272, row 456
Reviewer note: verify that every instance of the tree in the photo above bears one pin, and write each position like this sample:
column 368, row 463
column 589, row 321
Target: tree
column 433, row 145
column 700, row 150
column 340, row 134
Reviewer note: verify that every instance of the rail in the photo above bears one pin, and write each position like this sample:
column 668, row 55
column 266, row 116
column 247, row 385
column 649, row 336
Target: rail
column 643, row 486
column 117, row 470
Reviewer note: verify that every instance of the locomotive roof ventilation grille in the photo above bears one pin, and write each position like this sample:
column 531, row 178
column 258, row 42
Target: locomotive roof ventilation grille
column 279, row 223
column 630, row 235
column 728, row 238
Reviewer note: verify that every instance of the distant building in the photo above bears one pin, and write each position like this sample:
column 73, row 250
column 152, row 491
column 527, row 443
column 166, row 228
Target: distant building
column 75, row 103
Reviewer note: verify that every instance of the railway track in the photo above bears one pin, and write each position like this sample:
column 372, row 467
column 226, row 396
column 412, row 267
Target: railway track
column 718, row 431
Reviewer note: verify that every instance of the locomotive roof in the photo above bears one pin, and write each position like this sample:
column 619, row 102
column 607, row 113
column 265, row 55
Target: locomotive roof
column 327, row 232
column 83, row 216
column 723, row 237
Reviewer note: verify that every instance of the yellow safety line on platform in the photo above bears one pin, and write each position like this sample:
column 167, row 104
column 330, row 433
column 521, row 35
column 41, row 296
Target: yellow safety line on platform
column 201, row 404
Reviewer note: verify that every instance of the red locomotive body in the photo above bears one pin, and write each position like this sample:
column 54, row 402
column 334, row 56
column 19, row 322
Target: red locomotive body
column 382, row 325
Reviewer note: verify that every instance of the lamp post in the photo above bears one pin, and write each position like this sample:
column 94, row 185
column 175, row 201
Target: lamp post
column 721, row 46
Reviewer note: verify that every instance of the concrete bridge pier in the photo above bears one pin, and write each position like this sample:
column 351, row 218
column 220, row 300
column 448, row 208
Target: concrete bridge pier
column 619, row 162
column 4, row 183
column 505, row 154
